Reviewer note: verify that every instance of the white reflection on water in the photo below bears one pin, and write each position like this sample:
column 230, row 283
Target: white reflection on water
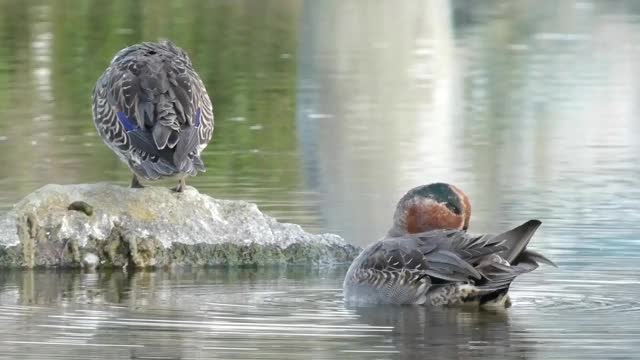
column 387, row 90
column 528, row 123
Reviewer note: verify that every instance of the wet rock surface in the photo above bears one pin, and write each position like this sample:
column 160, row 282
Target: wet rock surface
column 104, row 225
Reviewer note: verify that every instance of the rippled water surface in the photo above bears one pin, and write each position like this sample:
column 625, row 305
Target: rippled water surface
column 326, row 113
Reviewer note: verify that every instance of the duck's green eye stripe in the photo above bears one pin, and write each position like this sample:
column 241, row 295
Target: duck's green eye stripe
column 444, row 194
column 454, row 209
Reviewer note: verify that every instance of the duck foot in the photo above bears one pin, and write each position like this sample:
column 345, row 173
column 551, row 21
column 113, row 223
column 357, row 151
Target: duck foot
column 182, row 184
column 135, row 183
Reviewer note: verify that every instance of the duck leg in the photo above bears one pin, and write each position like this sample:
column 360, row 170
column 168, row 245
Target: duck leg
column 135, row 183
column 182, row 184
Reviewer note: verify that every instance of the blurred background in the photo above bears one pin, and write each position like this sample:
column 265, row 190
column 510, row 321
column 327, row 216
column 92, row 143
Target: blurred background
column 327, row 112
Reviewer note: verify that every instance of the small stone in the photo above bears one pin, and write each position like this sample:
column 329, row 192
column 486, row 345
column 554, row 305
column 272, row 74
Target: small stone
column 82, row 207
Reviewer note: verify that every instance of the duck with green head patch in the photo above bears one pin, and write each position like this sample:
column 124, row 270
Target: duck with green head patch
column 434, row 206
column 428, row 258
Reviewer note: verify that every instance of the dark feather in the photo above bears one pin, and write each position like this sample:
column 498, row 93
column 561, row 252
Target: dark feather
column 445, row 265
column 143, row 141
column 517, row 239
column 533, row 256
column 161, row 135
column 173, row 139
column 187, row 143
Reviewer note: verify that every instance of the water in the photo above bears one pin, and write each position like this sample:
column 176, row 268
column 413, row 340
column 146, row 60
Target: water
column 299, row 313
column 326, row 113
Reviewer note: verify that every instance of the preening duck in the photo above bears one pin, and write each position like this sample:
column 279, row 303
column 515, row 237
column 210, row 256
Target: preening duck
column 152, row 109
column 428, row 258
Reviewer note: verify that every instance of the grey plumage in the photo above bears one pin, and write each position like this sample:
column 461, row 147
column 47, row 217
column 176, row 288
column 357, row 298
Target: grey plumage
column 441, row 267
column 152, row 109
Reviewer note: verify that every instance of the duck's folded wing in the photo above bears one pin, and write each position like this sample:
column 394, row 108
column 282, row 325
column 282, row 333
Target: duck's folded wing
column 401, row 270
column 469, row 247
column 420, row 256
column 122, row 132
column 110, row 127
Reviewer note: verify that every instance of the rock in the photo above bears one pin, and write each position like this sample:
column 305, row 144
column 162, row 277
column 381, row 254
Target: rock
column 107, row 226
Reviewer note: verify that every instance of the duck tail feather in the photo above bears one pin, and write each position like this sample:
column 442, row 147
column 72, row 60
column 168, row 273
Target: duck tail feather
column 187, row 144
column 517, row 239
column 161, row 135
column 534, row 256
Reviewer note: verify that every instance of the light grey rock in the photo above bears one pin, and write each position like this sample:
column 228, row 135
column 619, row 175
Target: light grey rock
column 63, row 225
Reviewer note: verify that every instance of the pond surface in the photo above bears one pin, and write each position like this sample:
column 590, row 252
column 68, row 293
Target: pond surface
column 326, row 113
column 299, row 314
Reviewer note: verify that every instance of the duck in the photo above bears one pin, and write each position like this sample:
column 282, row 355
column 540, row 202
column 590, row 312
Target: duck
column 151, row 108
column 428, row 258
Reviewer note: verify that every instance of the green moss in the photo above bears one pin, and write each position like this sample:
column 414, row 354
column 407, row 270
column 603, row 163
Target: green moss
column 82, row 207
column 144, row 252
column 11, row 256
column 115, row 249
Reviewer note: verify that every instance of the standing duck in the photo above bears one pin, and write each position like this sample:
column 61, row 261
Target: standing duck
column 428, row 258
column 151, row 108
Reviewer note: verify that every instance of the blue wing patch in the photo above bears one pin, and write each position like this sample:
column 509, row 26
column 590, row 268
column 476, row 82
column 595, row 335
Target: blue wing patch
column 196, row 122
column 128, row 124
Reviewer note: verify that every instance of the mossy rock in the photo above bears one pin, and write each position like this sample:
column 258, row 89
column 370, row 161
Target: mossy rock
column 114, row 226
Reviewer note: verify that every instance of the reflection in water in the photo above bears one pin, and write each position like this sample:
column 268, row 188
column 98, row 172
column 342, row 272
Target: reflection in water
column 450, row 333
column 289, row 314
column 267, row 314
column 326, row 113
column 520, row 107
column 375, row 106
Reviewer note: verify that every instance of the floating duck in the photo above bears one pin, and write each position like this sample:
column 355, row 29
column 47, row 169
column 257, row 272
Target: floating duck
column 428, row 257
column 151, row 108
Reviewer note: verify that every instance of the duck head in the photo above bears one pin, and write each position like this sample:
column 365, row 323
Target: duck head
column 430, row 207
